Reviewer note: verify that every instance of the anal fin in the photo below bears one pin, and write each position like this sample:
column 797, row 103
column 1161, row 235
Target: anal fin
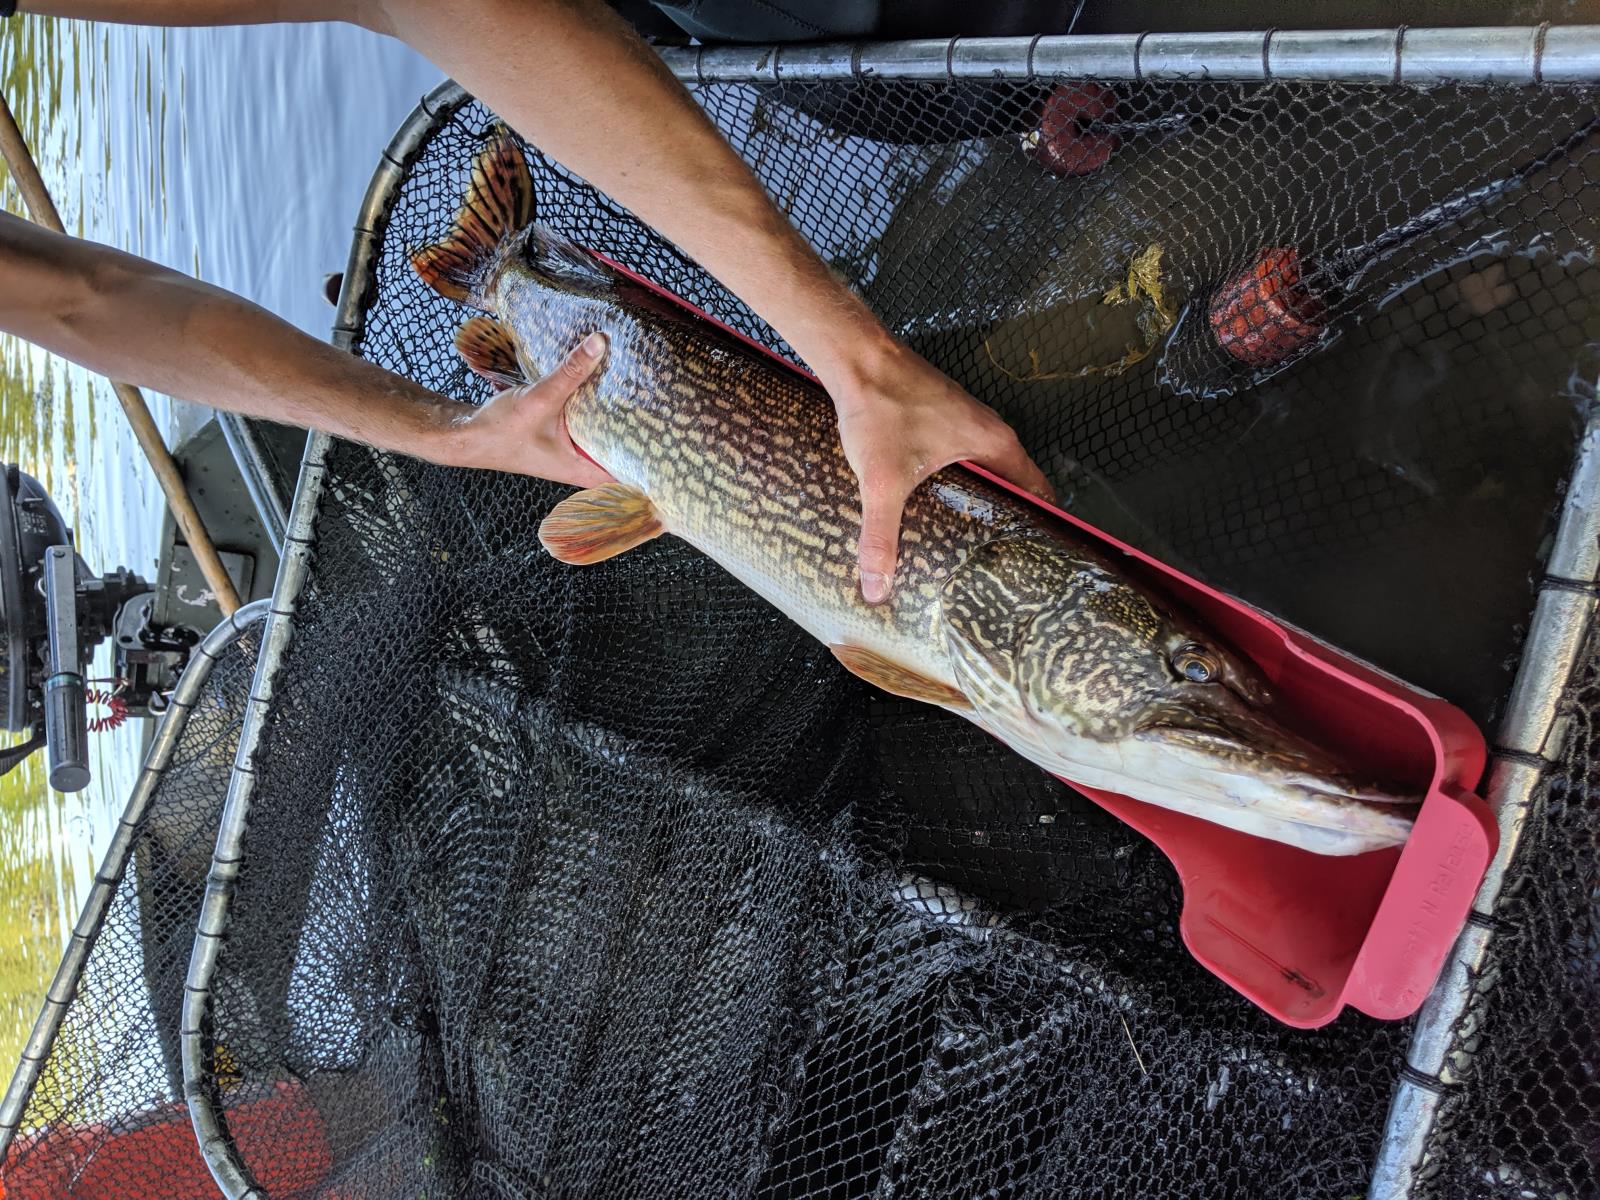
column 599, row 523
column 901, row 681
column 490, row 351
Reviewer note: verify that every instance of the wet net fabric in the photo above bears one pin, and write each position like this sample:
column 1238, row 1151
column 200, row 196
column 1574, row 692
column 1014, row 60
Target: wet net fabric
column 107, row 1116
column 609, row 882
column 1523, row 1118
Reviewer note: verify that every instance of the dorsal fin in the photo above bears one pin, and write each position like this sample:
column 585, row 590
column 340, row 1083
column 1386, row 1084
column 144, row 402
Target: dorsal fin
column 490, row 351
column 560, row 260
column 498, row 203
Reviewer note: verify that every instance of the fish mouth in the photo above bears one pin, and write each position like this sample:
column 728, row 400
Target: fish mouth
column 1221, row 759
column 1228, row 729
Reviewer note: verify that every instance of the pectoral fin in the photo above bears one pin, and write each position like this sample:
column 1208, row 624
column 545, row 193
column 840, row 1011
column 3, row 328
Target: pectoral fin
column 488, row 349
column 599, row 523
column 882, row 673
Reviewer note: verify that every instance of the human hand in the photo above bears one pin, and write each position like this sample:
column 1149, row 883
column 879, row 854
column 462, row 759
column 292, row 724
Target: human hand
column 524, row 430
column 901, row 419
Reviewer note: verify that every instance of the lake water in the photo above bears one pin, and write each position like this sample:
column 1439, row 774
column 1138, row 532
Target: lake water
column 237, row 154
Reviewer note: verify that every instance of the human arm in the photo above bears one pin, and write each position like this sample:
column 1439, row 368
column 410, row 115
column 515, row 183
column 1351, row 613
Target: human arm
column 607, row 108
column 130, row 319
column 573, row 79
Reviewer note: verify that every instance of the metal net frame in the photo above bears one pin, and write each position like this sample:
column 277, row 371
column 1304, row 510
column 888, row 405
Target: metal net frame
column 537, row 881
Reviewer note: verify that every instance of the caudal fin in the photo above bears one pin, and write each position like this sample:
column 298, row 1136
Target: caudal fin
column 498, row 203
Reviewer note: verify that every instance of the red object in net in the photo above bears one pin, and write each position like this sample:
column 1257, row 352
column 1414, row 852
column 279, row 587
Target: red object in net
column 154, row 1156
column 1065, row 142
column 1269, row 312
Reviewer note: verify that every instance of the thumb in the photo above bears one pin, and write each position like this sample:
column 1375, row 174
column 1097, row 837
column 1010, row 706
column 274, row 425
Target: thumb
column 880, row 542
column 574, row 370
column 534, row 420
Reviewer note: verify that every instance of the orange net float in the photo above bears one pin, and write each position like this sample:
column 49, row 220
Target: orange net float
column 1268, row 312
column 1066, row 141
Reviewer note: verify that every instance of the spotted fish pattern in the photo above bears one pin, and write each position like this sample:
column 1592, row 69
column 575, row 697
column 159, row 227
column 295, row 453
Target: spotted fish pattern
column 999, row 613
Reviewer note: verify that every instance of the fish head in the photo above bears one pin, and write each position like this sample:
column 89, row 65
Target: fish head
column 1090, row 676
column 1100, row 657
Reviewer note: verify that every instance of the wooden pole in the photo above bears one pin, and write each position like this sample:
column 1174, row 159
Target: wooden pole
column 43, row 210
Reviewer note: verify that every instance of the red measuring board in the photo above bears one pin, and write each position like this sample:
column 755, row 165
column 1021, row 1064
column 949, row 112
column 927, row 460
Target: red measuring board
column 1301, row 934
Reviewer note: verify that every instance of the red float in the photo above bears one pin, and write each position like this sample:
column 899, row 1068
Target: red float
column 1269, row 312
column 1067, row 141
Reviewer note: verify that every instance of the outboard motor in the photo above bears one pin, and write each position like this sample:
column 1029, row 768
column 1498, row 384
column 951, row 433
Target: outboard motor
column 54, row 611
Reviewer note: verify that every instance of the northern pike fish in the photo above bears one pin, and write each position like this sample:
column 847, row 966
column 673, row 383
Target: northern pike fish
column 1000, row 612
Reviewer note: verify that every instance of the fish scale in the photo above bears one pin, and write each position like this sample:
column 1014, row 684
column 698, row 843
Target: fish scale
column 1000, row 612
column 741, row 459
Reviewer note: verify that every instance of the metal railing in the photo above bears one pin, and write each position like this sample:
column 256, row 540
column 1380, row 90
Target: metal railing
column 205, row 1107
column 251, row 458
column 1537, row 54
column 1528, row 745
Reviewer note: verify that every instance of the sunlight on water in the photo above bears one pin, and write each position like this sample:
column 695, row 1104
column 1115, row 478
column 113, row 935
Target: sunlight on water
column 61, row 79
column 43, row 853
column 69, row 84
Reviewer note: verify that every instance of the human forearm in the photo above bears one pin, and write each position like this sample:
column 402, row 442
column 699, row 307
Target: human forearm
column 128, row 319
column 132, row 320
column 225, row 352
column 198, row 12
column 574, row 80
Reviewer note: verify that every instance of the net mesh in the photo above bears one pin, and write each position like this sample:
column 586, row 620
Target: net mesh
column 610, row 882
column 1525, row 1119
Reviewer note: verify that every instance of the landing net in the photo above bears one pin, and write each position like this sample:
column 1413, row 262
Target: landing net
column 610, row 882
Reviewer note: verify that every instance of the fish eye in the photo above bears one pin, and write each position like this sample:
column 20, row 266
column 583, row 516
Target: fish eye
column 1195, row 663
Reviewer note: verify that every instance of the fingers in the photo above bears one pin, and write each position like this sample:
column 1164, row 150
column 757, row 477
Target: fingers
column 1011, row 462
column 899, row 423
column 879, row 547
column 883, row 506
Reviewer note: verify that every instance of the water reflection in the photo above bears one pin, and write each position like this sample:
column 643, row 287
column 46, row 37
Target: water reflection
column 45, row 839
